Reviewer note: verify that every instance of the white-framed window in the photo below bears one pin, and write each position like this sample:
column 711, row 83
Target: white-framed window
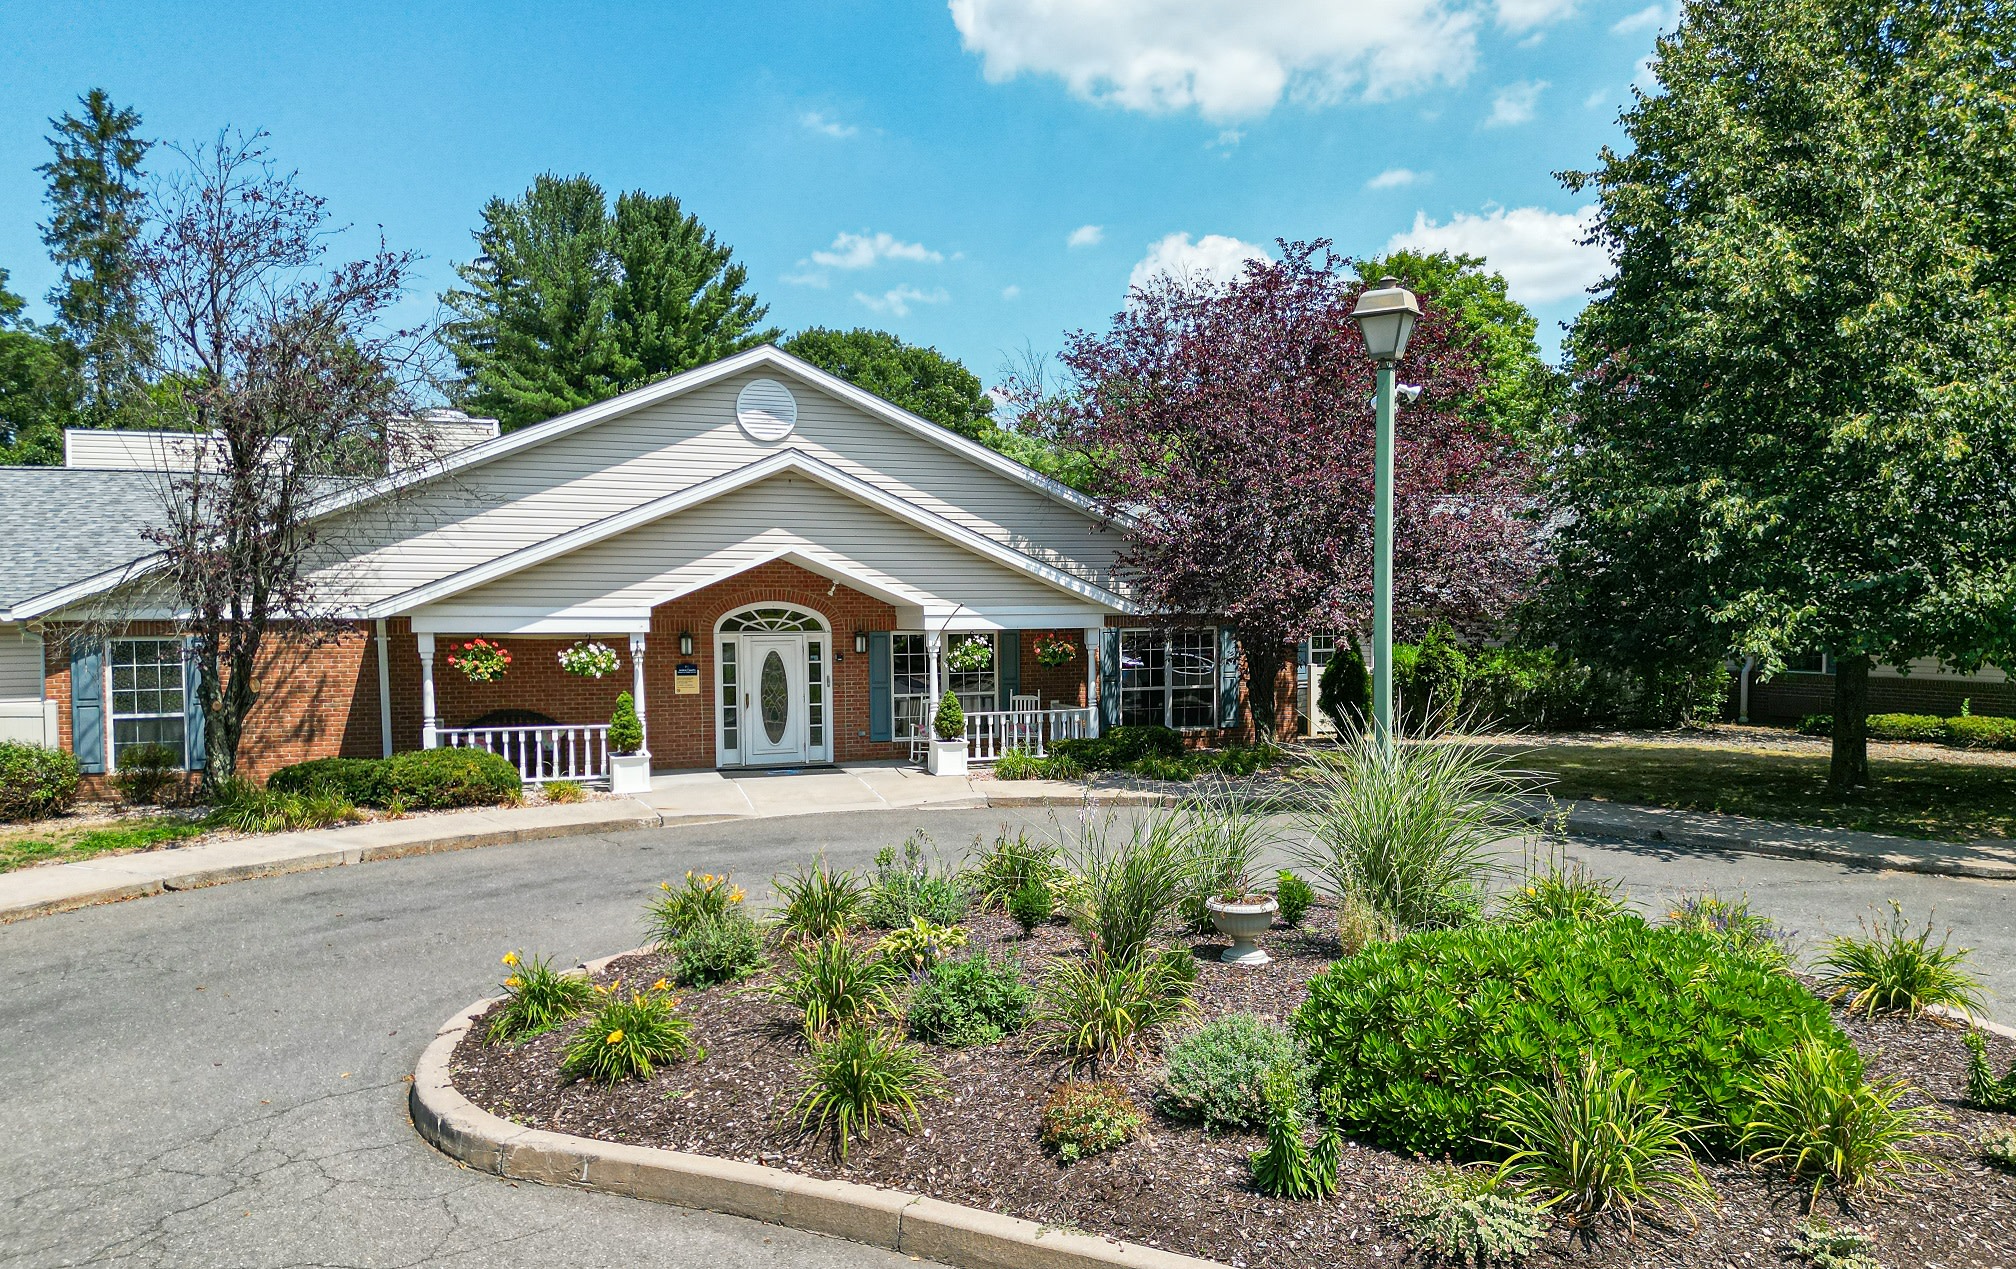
column 910, row 680
column 1809, row 663
column 1169, row 677
column 147, row 702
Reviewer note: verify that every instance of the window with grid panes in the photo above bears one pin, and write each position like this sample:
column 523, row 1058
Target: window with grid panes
column 148, row 707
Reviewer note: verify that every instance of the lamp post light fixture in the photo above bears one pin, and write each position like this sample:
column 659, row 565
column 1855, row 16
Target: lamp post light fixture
column 1385, row 317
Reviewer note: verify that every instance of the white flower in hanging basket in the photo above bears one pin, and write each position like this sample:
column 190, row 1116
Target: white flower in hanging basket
column 590, row 660
column 970, row 656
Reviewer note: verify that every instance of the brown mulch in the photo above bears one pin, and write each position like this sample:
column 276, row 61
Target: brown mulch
column 1176, row 1187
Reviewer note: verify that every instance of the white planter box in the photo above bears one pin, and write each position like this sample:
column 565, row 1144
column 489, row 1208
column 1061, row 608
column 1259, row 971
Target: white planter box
column 948, row 757
column 630, row 774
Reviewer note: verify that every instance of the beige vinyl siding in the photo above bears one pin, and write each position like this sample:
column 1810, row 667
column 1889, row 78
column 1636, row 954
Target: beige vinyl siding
column 20, row 664
column 647, row 565
column 548, row 489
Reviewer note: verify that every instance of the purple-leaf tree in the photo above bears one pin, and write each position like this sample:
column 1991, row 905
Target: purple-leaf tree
column 1232, row 424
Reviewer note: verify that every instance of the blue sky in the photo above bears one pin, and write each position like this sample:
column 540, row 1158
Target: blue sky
column 974, row 176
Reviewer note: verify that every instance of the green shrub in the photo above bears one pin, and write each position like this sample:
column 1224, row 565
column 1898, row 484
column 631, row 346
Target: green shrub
column 1997, row 1148
column 146, row 772
column 1018, row 764
column 1834, row 1247
column 1455, row 1216
column 919, row 945
column 1428, row 679
column 35, row 782
column 701, row 899
column 630, row 1035
column 1891, row 970
column 537, row 998
column 819, row 902
column 1816, row 725
column 1288, row 1168
column 1973, row 731
column 1120, row 747
column 1099, row 1007
column 626, row 730
column 242, row 805
column 1906, row 727
column 1732, row 926
column 1179, row 770
column 1422, row 1036
column 1216, row 1075
column 1984, row 1091
column 1817, row 1119
column 1557, row 893
column 1007, row 865
column 949, row 722
column 908, row 885
column 1413, row 829
column 973, row 1000
column 1127, row 885
column 1294, row 895
column 1032, row 905
column 833, row 984
column 438, row 779
column 563, row 792
column 721, row 950
column 1596, row 1144
column 1344, row 689
column 1088, row 1117
column 860, row 1078
column 362, row 780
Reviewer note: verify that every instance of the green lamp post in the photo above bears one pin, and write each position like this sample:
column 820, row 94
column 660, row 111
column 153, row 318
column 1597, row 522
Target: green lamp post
column 1385, row 317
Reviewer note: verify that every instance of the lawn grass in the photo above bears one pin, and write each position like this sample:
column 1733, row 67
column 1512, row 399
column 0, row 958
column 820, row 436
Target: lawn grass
column 1911, row 797
column 52, row 843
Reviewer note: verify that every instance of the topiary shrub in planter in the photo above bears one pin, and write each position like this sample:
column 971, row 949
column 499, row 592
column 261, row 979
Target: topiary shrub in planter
column 433, row 779
column 1430, row 1039
column 35, row 782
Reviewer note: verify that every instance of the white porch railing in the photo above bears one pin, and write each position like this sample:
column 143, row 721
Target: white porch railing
column 991, row 734
column 564, row 751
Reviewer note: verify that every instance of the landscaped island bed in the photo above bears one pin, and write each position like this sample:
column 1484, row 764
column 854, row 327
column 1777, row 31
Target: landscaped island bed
column 1175, row 1186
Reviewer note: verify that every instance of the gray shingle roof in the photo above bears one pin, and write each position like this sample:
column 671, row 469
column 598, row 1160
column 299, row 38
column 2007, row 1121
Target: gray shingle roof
column 59, row 525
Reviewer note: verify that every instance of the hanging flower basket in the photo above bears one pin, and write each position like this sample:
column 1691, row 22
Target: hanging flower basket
column 1055, row 650
column 970, row 655
column 589, row 659
column 481, row 661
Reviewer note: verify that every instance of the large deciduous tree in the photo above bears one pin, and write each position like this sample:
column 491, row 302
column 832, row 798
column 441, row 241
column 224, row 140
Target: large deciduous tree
column 570, row 303
column 922, row 380
column 288, row 377
column 38, row 390
column 96, row 221
column 1794, row 415
column 1233, row 425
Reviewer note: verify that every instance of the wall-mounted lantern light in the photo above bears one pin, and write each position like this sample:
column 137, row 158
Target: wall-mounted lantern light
column 685, row 643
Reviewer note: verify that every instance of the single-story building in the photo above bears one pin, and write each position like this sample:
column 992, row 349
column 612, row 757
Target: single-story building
column 787, row 569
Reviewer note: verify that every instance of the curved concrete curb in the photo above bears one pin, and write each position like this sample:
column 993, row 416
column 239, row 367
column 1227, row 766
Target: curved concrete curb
column 912, row 1224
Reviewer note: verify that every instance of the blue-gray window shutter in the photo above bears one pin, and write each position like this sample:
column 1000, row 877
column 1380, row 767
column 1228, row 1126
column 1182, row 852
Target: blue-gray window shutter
column 1302, row 662
column 1109, row 679
column 881, row 708
column 192, row 705
column 1010, row 642
column 87, row 706
column 1228, row 677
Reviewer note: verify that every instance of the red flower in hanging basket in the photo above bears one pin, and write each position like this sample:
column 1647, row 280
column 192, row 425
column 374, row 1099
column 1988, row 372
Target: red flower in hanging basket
column 1054, row 650
column 481, row 661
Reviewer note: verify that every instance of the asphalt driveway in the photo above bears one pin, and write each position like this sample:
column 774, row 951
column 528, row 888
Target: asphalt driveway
column 217, row 1077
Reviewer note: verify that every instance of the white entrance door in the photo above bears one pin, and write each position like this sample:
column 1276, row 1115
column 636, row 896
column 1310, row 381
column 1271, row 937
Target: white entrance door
column 773, row 699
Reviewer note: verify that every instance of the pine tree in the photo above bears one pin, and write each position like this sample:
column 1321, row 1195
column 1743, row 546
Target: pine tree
column 95, row 223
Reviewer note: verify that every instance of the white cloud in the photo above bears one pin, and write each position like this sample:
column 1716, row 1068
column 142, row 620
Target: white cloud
column 1011, row 292
column 1086, row 236
column 1524, row 15
column 897, row 300
column 1216, row 256
column 1515, row 103
column 1396, row 178
column 1541, row 253
column 1231, row 59
column 819, row 123
column 858, row 251
column 1656, row 17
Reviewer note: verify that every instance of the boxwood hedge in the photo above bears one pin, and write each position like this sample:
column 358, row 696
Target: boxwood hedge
column 420, row 779
column 1423, row 1036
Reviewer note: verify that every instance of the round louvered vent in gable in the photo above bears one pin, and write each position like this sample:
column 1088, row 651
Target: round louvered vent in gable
column 766, row 410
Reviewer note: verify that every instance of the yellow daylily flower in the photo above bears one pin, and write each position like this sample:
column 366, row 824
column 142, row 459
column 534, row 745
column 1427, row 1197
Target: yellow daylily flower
column 660, row 985
column 735, row 895
column 514, row 982
column 510, row 958
column 616, row 1036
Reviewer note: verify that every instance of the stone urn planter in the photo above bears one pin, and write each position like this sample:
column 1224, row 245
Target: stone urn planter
column 630, row 774
column 947, row 757
column 1243, row 920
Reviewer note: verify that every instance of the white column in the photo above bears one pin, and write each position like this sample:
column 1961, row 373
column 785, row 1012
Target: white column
column 931, row 680
column 429, row 721
column 637, row 688
column 1092, row 634
column 384, row 692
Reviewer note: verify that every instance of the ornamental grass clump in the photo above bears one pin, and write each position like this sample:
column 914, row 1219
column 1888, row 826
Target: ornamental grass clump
column 1088, row 1117
column 537, row 998
column 1558, row 892
column 722, row 950
column 1007, row 866
column 910, row 884
column 1458, row 1216
column 700, row 899
column 1891, row 970
column 1097, row 1008
column 629, row 1036
column 1731, row 925
column 972, row 1000
column 833, row 983
column 1125, row 884
column 1816, row 1118
column 1220, row 838
column 862, row 1077
column 1216, row 1075
column 1594, row 1144
column 1409, row 826
column 819, row 902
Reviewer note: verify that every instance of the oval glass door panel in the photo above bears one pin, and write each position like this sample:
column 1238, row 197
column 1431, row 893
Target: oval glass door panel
column 775, row 686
